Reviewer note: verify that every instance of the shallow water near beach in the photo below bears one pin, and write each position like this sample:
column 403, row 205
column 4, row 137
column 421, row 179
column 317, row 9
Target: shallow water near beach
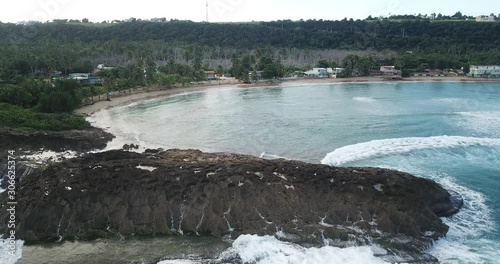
column 445, row 131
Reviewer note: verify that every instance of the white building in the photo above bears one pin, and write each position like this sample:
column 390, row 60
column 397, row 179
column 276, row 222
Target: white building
column 79, row 76
column 485, row 19
column 317, row 73
column 485, row 71
column 324, row 72
column 103, row 67
column 336, row 72
column 388, row 69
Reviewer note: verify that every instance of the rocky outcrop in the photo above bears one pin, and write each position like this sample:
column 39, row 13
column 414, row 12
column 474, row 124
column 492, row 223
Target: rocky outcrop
column 193, row 193
column 75, row 140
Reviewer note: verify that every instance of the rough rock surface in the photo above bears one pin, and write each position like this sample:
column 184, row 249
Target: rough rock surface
column 187, row 192
column 76, row 140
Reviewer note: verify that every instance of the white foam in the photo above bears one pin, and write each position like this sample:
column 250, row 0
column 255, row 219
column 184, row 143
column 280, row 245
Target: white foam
column 269, row 250
column 120, row 127
column 179, row 261
column 265, row 155
column 364, row 99
column 467, row 240
column 377, row 148
column 147, row 168
column 451, row 100
column 481, row 122
column 48, row 155
column 464, row 242
column 5, row 257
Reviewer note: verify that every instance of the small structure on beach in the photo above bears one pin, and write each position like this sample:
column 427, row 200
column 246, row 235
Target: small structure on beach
column 211, row 75
column 255, row 75
column 335, row 73
column 388, row 70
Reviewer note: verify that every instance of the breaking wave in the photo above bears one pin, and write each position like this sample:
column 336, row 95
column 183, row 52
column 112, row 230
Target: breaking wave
column 270, row 250
column 385, row 147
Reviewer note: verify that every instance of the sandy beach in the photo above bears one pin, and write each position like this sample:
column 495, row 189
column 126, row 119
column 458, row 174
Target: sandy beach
column 141, row 94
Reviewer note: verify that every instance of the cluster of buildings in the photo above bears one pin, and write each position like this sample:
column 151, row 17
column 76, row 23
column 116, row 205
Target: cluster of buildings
column 384, row 72
column 390, row 72
column 476, row 71
column 86, row 78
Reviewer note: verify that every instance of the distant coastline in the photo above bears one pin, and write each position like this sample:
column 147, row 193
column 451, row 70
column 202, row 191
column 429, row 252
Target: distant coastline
column 142, row 94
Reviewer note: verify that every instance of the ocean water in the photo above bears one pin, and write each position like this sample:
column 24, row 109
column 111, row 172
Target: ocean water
column 445, row 131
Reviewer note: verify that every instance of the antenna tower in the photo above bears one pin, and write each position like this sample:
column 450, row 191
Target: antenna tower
column 207, row 11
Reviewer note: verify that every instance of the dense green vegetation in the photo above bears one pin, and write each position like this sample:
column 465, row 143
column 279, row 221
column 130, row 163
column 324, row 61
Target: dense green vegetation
column 26, row 119
column 30, row 103
column 313, row 34
column 54, row 97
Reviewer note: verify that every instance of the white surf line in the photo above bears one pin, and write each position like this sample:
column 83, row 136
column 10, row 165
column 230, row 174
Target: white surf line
column 401, row 145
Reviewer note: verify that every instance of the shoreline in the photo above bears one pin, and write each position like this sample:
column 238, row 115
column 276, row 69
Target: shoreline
column 143, row 95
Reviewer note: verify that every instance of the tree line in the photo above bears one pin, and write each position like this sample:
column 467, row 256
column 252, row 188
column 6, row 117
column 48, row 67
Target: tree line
column 422, row 34
column 38, row 49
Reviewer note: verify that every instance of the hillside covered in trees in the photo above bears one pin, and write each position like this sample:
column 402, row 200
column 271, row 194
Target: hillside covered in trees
column 72, row 45
column 424, row 35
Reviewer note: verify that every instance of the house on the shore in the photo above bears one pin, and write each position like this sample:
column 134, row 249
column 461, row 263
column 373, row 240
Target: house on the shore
column 323, row 72
column 336, row 72
column 485, row 71
column 430, row 73
column 317, row 73
column 211, row 75
column 386, row 71
column 85, row 78
column 78, row 76
column 485, row 19
column 255, row 75
column 102, row 67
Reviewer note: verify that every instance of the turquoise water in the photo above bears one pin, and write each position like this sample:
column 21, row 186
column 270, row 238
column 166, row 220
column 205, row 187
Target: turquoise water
column 446, row 131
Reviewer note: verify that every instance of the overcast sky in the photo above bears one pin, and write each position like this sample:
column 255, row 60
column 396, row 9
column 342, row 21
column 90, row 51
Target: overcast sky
column 233, row 10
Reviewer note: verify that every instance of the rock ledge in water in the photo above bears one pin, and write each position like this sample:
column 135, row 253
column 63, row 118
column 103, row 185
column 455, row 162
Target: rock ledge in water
column 183, row 192
column 76, row 140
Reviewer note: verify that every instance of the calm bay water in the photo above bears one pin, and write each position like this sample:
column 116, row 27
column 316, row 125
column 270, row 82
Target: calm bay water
column 446, row 131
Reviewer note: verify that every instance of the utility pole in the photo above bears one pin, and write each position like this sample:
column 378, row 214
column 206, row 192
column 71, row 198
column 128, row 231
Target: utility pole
column 207, row 11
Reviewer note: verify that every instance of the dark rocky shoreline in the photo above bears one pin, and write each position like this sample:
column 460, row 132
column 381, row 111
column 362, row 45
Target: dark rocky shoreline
column 26, row 142
column 187, row 192
column 75, row 140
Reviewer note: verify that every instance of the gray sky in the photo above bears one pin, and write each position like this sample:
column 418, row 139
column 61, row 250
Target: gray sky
column 233, row 10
